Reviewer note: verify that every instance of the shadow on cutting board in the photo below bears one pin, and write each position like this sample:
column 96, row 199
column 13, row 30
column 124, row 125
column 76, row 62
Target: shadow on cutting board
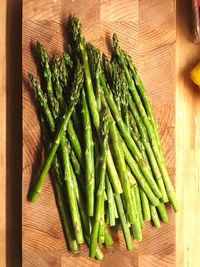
column 14, row 134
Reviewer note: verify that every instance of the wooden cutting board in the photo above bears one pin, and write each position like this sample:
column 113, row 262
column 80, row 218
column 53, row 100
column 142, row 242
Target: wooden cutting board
column 147, row 30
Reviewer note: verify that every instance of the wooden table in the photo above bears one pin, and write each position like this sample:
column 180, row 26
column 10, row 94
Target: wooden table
column 187, row 139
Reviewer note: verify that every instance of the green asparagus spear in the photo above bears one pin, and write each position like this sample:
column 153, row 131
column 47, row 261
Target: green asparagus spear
column 121, row 167
column 108, row 238
column 77, row 85
column 145, row 206
column 163, row 212
column 44, row 58
column 134, row 168
column 138, row 225
column 128, row 139
column 63, row 211
column 65, row 73
column 154, row 216
column 67, row 168
column 136, row 195
column 89, row 155
column 111, row 202
column 125, row 226
column 73, row 138
column 59, row 193
column 101, row 185
column 148, row 148
column 101, row 233
column 80, row 45
column 160, row 159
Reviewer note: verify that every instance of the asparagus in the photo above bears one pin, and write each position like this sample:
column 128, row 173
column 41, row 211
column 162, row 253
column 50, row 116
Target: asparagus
column 89, row 155
column 101, row 233
column 111, row 202
column 163, row 212
column 154, row 216
column 76, row 220
column 80, row 45
column 125, row 226
column 134, row 140
column 78, row 81
column 64, row 213
column 160, row 159
column 136, row 195
column 144, row 97
column 148, row 148
column 44, row 58
column 134, row 168
column 79, row 196
column 138, row 225
column 70, row 127
column 128, row 140
column 68, row 179
column 108, row 238
column 77, row 169
column 94, row 52
column 145, row 206
column 101, row 185
column 119, row 83
column 65, row 73
column 92, row 103
column 94, row 65
column 59, row 194
column 121, row 167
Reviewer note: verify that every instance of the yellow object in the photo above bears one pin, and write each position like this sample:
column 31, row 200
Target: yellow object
column 195, row 74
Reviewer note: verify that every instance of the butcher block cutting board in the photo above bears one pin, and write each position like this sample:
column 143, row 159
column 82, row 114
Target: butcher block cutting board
column 147, row 30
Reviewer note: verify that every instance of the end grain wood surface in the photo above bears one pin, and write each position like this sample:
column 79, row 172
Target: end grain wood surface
column 147, row 30
column 187, row 139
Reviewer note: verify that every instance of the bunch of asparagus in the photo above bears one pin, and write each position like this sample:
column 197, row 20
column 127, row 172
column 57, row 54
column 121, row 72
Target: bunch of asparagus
column 102, row 145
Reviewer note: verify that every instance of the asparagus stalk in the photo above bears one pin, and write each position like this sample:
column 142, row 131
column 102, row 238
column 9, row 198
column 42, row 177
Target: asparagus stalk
column 59, row 194
column 154, row 216
column 108, row 238
column 67, row 225
column 119, row 86
column 79, row 196
column 136, row 195
column 65, row 73
column 44, row 59
column 62, row 103
column 77, row 169
column 125, row 226
column 101, row 233
column 160, row 159
column 145, row 206
column 101, row 186
column 68, row 177
column 121, row 167
column 163, row 212
column 76, row 220
column 111, row 202
column 134, row 168
column 80, row 44
column 143, row 165
column 95, row 55
column 144, row 97
column 148, row 148
column 89, row 155
column 78, row 81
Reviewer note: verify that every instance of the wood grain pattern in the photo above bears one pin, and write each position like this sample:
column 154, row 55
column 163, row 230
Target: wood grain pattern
column 3, row 134
column 188, row 143
column 146, row 29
